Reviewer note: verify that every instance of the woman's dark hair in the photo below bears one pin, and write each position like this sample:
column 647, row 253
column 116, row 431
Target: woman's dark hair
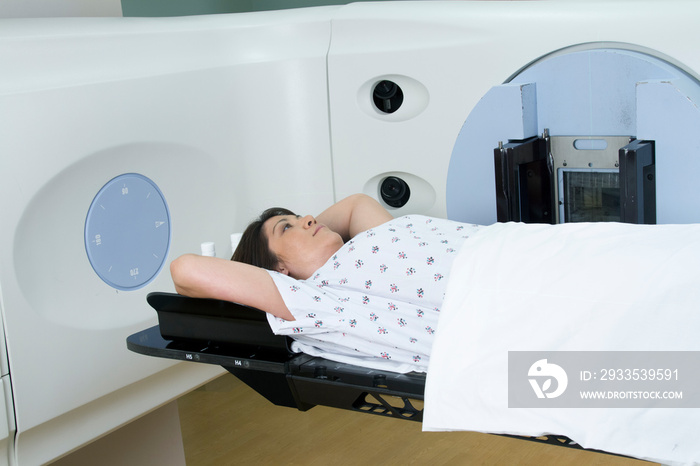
column 253, row 247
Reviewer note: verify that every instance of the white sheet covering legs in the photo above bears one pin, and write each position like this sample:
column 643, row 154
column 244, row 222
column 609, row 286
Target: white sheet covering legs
column 573, row 287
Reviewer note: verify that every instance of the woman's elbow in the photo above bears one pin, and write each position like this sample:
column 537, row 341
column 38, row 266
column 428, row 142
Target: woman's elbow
column 179, row 269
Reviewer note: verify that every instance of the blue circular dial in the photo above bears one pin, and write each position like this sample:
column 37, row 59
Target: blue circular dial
column 127, row 232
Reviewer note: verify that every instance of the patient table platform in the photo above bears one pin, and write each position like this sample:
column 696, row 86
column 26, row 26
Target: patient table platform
column 239, row 339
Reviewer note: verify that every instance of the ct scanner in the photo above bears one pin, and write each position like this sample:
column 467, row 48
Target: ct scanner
column 127, row 142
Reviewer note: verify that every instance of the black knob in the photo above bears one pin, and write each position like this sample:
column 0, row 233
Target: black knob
column 387, row 96
column 394, row 191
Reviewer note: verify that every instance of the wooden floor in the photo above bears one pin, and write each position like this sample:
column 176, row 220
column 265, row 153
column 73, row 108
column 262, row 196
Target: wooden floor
column 227, row 423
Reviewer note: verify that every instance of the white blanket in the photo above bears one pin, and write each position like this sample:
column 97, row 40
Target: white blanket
column 573, row 287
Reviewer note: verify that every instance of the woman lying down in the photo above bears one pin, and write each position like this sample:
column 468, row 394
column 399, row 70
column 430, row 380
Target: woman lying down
column 352, row 284
column 356, row 285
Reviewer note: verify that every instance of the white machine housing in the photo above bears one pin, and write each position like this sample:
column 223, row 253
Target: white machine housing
column 231, row 114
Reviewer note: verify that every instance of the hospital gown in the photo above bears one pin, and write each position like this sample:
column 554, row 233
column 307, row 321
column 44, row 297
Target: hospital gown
column 376, row 302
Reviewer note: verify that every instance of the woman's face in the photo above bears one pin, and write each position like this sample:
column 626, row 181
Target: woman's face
column 300, row 243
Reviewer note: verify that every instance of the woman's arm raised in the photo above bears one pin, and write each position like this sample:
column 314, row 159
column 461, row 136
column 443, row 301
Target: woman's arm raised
column 211, row 277
column 353, row 215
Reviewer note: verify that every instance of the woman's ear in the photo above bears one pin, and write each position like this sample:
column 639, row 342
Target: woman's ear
column 281, row 268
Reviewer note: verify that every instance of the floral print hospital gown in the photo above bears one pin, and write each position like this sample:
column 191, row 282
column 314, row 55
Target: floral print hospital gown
column 376, row 302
